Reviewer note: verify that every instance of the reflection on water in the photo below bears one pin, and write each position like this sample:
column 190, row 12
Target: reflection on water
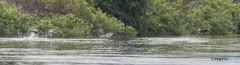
column 165, row 51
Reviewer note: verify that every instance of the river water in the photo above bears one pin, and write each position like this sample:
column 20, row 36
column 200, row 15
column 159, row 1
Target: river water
column 183, row 50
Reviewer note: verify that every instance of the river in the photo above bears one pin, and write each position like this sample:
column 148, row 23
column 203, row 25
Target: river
column 181, row 50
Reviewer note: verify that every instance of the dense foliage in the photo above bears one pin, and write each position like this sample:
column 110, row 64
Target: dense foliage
column 175, row 17
column 12, row 22
column 90, row 18
column 75, row 18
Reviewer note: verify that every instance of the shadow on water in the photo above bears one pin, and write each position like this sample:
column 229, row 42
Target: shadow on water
column 167, row 50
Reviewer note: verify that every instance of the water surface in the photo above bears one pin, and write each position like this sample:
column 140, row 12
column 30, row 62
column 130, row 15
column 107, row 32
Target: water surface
column 186, row 50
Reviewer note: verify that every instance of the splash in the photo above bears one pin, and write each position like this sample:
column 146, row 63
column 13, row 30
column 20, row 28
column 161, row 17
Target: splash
column 33, row 35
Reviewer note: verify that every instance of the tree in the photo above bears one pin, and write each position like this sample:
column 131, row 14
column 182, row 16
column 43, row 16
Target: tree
column 128, row 11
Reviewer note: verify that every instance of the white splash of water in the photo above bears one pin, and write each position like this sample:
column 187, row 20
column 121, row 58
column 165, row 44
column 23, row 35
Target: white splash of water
column 33, row 35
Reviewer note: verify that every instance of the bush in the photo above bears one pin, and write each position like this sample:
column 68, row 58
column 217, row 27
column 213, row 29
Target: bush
column 12, row 21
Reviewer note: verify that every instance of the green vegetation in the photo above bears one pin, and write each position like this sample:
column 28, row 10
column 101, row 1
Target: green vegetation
column 90, row 18
column 12, row 21
column 72, row 19
column 175, row 17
